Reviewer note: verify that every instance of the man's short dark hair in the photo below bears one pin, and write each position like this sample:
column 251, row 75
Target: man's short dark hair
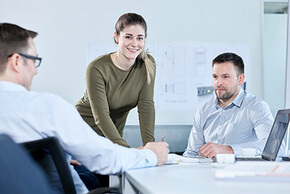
column 231, row 57
column 13, row 39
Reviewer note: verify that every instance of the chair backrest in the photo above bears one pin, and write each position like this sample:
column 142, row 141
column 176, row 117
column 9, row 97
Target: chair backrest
column 18, row 172
column 49, row 155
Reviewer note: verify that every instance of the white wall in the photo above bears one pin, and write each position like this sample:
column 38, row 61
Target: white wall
column 287, row 96
column 287, row 88
column 66, row 26
column 274, row 45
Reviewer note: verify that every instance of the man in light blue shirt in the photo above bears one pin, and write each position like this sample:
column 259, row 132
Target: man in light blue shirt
column 233, row 119
column 27, row 115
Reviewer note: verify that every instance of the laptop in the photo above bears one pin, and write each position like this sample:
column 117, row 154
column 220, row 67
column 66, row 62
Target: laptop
column 275, row 138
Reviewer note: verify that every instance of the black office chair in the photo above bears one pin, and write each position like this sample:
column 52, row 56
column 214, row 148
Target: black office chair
column 18, row 172
column 49, row 154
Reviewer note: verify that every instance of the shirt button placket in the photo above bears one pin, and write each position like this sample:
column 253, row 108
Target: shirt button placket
column 221, row 125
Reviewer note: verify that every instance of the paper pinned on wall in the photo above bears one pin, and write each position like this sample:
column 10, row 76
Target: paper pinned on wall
column 181, row 69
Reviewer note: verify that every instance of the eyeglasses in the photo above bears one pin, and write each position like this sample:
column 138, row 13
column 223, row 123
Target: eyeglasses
column 37, row 60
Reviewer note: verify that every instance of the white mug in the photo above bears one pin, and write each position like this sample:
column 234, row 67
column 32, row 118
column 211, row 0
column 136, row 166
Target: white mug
column 249, row 151
column 225, row 158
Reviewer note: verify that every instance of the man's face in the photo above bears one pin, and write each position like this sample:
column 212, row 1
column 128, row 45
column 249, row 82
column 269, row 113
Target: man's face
column 28, row 70
column 226, row 82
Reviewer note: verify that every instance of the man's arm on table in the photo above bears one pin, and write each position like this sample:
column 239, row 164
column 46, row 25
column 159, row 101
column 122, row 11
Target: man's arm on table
column 262, row 121
column 97, row 153
column 196, row 137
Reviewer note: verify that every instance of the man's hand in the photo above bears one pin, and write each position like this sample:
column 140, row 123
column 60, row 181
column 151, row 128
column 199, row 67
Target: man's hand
column 160, row 149
column 210, row 150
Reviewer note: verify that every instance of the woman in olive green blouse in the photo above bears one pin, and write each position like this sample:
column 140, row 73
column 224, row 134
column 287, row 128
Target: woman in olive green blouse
column 119, row 81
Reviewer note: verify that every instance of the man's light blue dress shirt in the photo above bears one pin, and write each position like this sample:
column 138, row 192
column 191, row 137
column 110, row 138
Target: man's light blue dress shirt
column 244, row 123
column 27, row 116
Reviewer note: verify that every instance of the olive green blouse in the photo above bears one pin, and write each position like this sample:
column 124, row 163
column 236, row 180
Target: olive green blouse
column 111, row 93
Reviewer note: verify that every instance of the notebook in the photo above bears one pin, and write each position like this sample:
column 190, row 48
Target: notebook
column 177, row 159
column 275, row 137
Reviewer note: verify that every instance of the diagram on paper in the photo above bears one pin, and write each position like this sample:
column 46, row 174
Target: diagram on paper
column 183, row 72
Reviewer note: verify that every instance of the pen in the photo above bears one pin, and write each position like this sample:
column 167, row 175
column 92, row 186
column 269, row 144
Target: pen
column 276, row 167
column 163, row 138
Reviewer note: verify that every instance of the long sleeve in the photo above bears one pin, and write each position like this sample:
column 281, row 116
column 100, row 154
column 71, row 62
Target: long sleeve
column 96, row 89
column 28, row 116
column 146, row 110
column 244, row 123
column 196, row 137
column 111, row 94
column 262, row 120
column 95, row 152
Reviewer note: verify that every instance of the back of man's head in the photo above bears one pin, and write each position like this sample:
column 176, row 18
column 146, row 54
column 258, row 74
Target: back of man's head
column 233, row 58
column 13, row 39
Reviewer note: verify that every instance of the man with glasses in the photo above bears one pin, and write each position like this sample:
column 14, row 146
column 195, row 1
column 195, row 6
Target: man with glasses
column 27, row 115
column 37, row 60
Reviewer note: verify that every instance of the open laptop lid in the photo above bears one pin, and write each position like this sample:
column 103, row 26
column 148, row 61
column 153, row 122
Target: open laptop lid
column 276, row 135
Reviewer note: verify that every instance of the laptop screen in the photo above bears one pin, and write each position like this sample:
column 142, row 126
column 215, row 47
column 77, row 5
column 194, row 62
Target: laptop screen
column 276, row 135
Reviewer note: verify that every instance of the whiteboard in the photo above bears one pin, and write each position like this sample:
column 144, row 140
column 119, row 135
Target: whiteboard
column 66, row 28
column 183, row 73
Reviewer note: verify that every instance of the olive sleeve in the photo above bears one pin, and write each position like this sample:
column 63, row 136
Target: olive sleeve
column 146, row 110
column 96, row 84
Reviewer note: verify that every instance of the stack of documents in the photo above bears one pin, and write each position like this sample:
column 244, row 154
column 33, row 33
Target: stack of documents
column 255, row 171
column 177, row 159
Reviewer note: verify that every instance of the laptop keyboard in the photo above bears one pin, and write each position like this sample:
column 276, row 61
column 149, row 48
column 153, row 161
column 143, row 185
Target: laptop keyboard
column 249, row 159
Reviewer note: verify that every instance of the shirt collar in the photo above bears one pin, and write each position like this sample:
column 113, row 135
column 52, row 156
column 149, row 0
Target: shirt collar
column 10, row 86
column 236, row 102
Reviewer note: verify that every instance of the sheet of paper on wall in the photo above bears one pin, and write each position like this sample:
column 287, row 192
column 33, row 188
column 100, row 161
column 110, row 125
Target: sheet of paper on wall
column 177, row 159
column 255, row 171
column 183, row 69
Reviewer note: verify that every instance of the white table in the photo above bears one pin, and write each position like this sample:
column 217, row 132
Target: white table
column 197, row 178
